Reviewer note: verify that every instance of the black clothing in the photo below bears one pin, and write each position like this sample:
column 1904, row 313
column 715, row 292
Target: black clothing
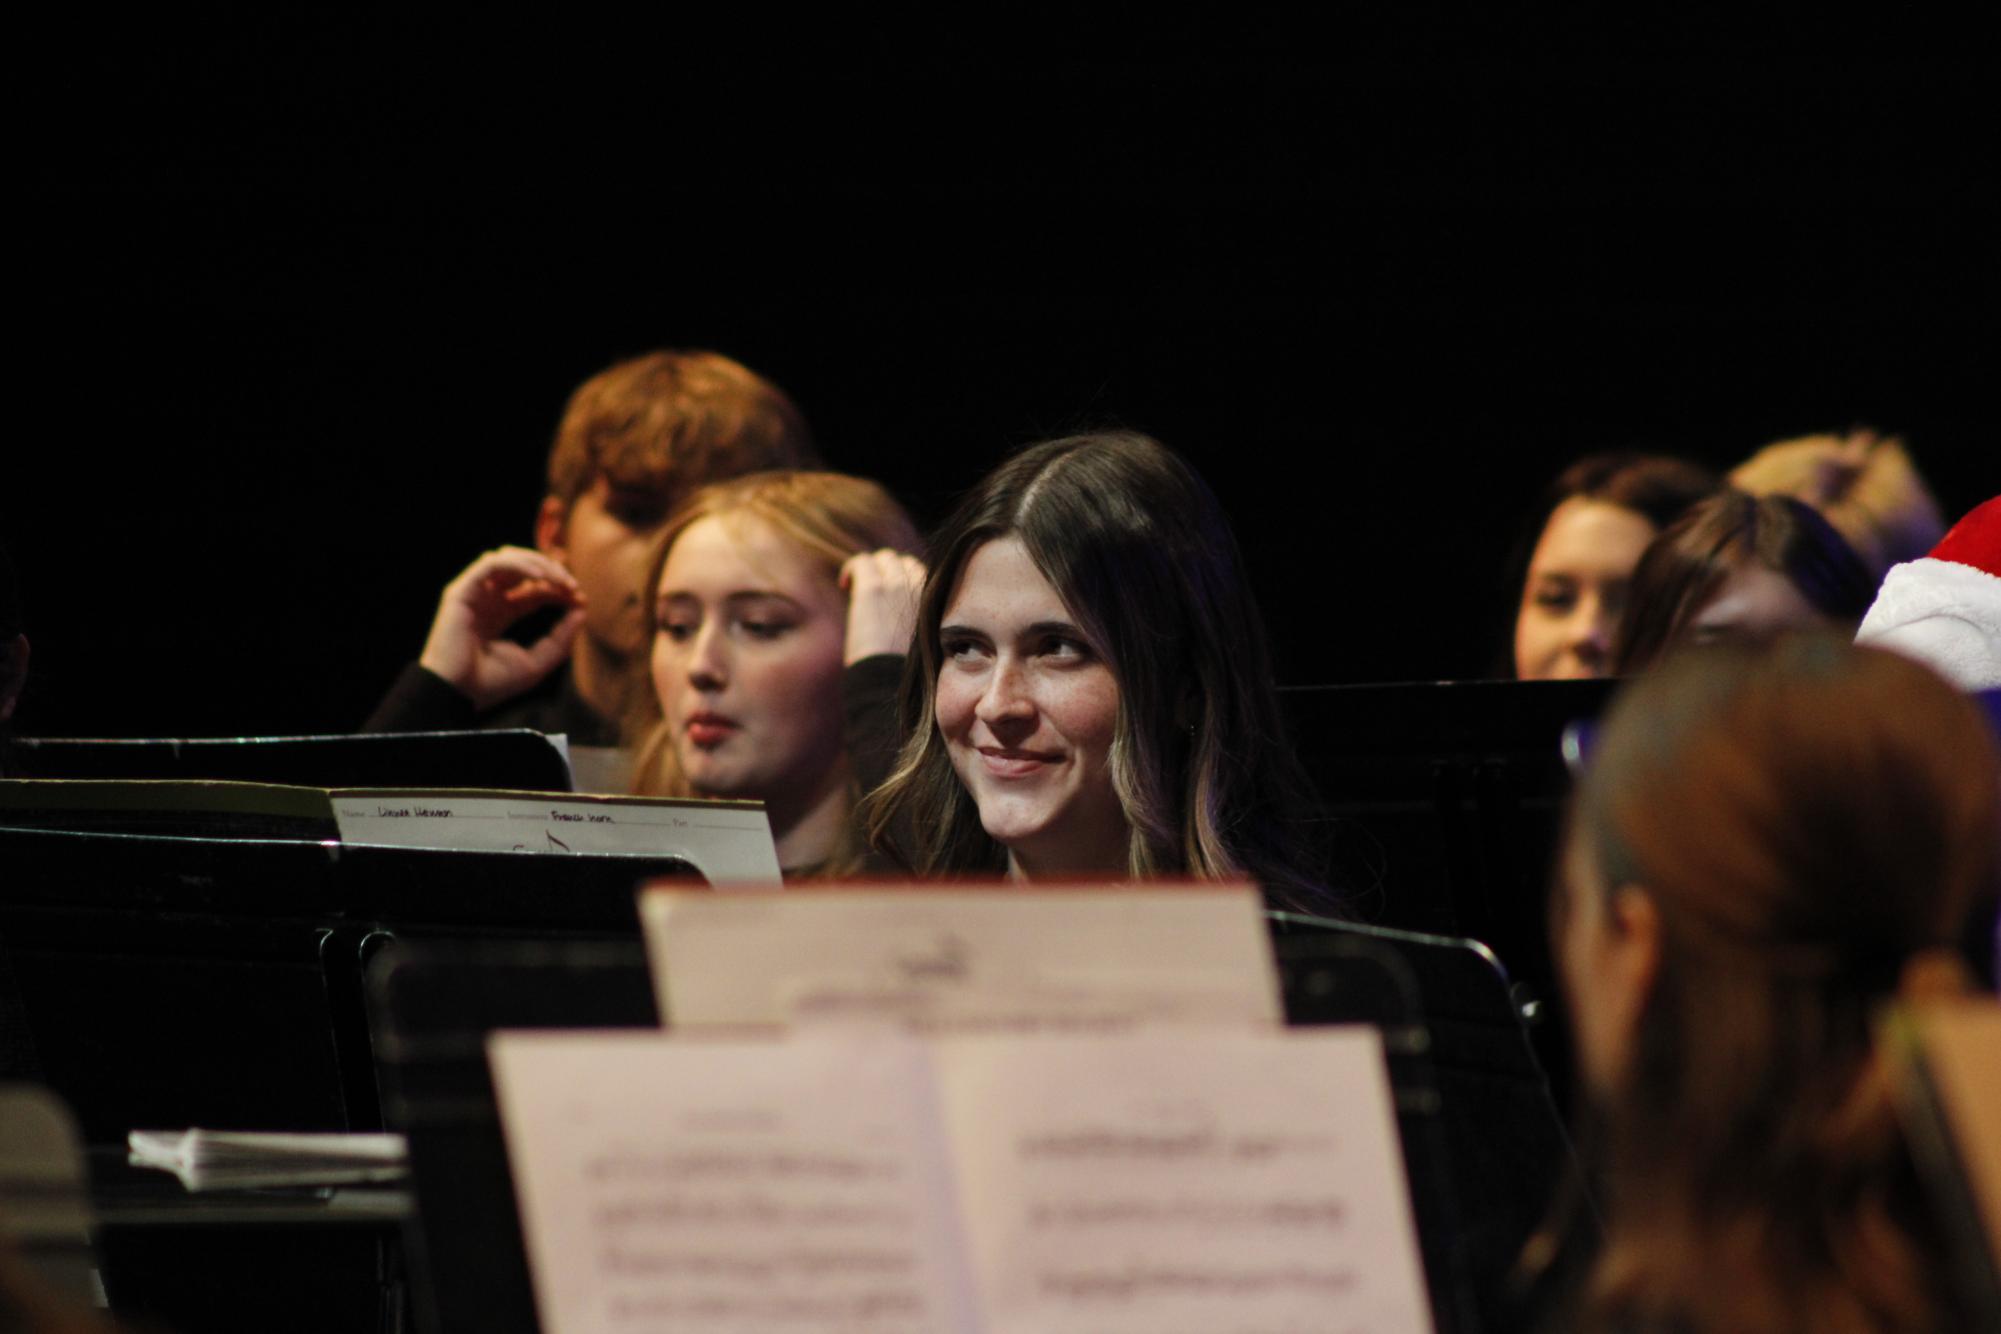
column 868, row 699
column 423, row 701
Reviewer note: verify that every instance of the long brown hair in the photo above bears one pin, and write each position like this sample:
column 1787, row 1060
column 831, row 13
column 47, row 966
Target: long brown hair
column 1138, row 549
column 830, row 516
column 1684, row 566
column 1806, row 820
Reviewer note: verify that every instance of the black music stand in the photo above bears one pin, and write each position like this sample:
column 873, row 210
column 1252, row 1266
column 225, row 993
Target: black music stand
column 430, row 1009
column 514, row 759
column 162, row 982
column 1446, row 800
column 1450, row 1034
column 1483, row 1141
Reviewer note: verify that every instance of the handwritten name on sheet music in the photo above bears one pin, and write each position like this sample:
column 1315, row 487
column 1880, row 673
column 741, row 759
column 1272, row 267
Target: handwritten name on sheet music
column 729, row 842
column 729, row 1187
column 1183, row 1183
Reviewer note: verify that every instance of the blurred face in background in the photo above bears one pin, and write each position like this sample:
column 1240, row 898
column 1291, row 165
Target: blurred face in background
column 1576, row 589
column 605, row 538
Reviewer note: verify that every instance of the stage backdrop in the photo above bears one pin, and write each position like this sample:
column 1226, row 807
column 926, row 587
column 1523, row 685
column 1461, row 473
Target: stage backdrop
column 305, row 297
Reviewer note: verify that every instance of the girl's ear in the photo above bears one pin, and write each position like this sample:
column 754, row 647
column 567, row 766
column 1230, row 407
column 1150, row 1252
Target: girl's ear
column 1632, row 954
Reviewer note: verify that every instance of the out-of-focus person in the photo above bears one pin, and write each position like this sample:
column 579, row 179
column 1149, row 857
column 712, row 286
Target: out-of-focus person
column 1740, row 567
column 1863, row 483
column 1595, row 520
column 1766, row 846
column 633, row 441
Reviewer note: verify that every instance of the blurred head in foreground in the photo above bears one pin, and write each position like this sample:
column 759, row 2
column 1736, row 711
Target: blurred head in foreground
column 1594, row 522
column 1764, row 849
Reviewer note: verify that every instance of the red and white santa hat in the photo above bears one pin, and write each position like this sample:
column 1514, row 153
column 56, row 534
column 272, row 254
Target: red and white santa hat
column 1945, row 609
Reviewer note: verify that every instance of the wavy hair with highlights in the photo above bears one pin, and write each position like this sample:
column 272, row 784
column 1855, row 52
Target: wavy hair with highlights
column 1138, row 549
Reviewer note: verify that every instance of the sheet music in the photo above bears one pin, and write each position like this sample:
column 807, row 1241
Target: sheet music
column 1152, row 1183
column 669, row 1183
column 1183, row 1183
column 728, row 841
column 963, row 958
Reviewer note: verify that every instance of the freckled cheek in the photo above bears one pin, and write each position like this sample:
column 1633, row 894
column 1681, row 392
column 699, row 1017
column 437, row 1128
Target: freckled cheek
column 1087, row 713
column 952, row 707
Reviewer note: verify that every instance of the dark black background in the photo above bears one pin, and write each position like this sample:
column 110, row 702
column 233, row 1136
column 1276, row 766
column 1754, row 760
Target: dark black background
column 303, row 297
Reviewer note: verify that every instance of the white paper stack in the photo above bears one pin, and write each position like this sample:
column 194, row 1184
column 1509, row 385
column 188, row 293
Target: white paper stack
column 238, row 1160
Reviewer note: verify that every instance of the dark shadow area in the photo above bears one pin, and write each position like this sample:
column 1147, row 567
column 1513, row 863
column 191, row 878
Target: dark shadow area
column 306, row 295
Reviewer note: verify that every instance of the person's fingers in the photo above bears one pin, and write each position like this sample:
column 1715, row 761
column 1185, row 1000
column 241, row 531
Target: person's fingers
column 532, row 593
column 547, row 653
column 878, row 571
column 882, row 604
column 504, row 567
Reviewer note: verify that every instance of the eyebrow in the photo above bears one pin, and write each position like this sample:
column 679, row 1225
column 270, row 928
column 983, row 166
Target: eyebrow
column 741, row 596
column 1037, row 628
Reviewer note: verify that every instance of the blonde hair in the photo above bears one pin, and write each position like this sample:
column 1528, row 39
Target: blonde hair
column 829, row 516
column 1863, row 484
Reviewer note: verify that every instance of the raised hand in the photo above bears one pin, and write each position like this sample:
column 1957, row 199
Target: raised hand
column 467, row 644
column 883, row 588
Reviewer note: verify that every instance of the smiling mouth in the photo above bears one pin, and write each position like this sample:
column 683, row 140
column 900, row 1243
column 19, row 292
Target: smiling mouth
column 1006, row 762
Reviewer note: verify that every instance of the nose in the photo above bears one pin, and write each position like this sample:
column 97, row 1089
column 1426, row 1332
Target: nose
column 1005, row 702
column 1592, row 634
column 708, row 657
